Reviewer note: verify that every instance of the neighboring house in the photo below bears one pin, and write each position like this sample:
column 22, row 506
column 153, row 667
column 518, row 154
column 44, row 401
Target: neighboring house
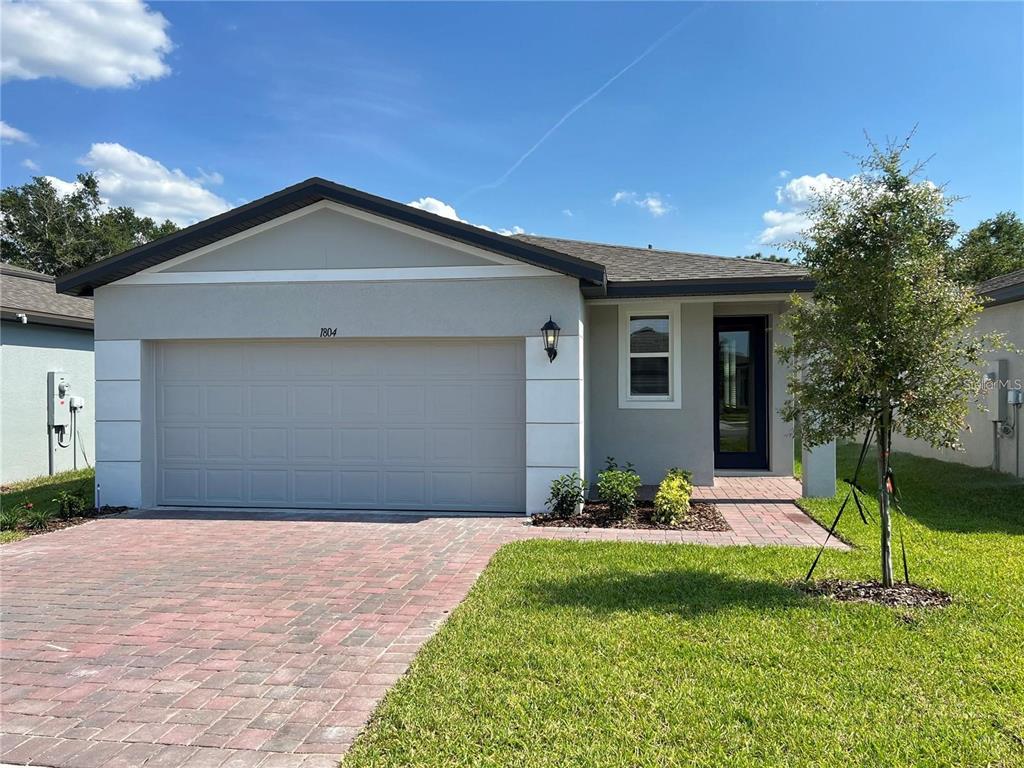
column 41, row 331
column 323, row 347
column 984, row 438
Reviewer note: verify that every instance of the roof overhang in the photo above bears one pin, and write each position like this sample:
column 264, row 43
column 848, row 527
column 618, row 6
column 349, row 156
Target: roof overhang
column 710, row 287
column 1005, row 295
column 85, row 281
column 13, row 314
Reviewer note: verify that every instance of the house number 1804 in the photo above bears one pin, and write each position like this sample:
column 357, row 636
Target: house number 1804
column 328, row 333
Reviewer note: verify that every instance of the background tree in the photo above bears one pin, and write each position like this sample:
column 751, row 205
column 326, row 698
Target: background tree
column 758, row 256
column 994, row 247
column 44, row 230
column 888, row 341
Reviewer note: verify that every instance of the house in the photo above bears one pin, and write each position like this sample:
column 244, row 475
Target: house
column 324, row 347
column 992, row 438
column 42, row 332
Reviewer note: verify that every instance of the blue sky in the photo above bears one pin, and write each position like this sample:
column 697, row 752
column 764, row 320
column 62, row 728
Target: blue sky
column 185, row 108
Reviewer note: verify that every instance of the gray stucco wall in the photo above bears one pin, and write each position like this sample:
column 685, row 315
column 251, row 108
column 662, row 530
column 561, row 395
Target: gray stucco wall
column 978, row 442
column 658, row 439
column 132, row 318
column 328, row 239
column 402, row 309
column 27, row 353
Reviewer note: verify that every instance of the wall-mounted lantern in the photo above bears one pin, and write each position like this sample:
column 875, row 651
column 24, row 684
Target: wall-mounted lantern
column 549, row 334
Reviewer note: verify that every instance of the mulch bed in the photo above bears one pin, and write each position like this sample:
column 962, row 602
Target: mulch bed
column 59, row 524
column 703, row 517
column 897, row 596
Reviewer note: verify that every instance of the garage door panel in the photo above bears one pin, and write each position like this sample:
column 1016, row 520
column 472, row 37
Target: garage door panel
column 314, row 487
column 361, row 445
column 313, row 401
column 181, row 486
column 268, row 401
column 224, row 443
column 269, row 486
column 340, row 424
column 359, row 488
column 225, row 401
column 313, row 444
column 225, row 486
column 268, row 443
column 358, row 402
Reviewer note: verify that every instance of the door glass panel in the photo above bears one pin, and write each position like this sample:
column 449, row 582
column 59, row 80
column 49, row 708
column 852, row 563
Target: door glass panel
column 648, row 333
column 735, row 393
column 648, row 376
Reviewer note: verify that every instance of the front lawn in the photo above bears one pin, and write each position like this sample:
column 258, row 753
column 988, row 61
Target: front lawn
column 609, row 654
column 40, row 492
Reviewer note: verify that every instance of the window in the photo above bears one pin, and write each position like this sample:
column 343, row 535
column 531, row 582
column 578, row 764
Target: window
column 648, row 365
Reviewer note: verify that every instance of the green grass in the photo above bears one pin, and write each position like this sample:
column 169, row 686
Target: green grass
column 40, row 492
column 607, row 654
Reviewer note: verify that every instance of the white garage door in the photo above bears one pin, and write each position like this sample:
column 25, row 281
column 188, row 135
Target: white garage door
column 431, row 425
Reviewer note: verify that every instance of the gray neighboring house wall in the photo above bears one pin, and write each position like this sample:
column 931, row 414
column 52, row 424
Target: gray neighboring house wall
column 322, row 347
column 1003, row 313
column 41, row 331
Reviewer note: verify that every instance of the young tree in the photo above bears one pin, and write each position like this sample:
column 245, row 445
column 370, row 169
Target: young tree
column 995, row 247
column 42, row 229
column 887, row 342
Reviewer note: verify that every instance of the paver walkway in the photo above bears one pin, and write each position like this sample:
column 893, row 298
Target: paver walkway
column 252, row 639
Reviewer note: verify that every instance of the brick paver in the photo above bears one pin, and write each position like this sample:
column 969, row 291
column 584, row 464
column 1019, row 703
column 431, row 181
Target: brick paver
column 254, row 639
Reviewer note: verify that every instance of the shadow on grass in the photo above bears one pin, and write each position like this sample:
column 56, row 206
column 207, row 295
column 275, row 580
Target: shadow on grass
column 688, row 593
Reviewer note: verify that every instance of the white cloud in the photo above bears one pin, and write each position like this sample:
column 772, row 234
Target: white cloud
column 783, row 174
column 9, row 134
column 64, row 188
column 652, row 202
column 32, row 165
column 567, row 212
column 443, row 209
column 794, row 198
column 96, row 45
column 128, row 178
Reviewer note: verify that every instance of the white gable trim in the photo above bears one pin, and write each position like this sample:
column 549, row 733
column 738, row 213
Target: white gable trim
column 335, row 275
column 338, row 208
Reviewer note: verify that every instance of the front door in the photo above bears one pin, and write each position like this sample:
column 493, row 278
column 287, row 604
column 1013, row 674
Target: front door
column 741, row 393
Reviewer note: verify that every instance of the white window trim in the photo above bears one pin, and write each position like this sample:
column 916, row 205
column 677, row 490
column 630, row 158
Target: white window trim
column 675, row 357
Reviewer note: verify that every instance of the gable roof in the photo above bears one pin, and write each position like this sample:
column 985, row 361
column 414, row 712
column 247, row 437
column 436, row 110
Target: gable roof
column 649, row 272
column 25, row 292
column 1003, row 289
column 603, row 270
column 85, row 281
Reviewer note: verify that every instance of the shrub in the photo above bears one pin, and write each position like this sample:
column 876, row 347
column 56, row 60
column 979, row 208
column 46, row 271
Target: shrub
column 617, row 487
column 567, row 492
column 11, row 517
column 37, row 517
column 672, row 502
column 69, row 504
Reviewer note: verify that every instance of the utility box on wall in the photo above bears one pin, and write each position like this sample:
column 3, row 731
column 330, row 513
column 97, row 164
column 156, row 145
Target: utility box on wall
column 996, row 385
column 58, row 411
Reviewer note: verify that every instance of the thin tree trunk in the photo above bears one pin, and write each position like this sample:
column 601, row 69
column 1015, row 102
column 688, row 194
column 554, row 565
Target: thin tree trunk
column 884, row 441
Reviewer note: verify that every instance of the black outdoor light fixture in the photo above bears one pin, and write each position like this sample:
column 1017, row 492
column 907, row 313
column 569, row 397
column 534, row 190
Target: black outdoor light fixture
column 549, row 331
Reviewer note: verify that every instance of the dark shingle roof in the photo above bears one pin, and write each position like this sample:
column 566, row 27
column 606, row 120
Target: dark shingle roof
column 23, row 291
column 627, row 265
column 1003, row 289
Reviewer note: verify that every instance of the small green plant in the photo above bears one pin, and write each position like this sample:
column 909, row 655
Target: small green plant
column 672, row 501
column 567, row 493
column 69, row 504
column 11, row 517
column 617, row 487
column 37, row 518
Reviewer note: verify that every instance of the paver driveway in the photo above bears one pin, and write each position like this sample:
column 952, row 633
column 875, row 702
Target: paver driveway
column 164, row 639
